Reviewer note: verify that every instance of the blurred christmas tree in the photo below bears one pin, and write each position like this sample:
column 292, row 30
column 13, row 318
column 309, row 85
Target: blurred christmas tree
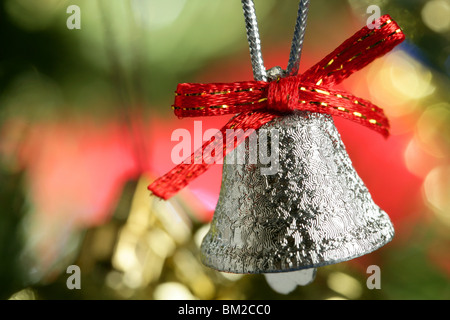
column 84, row 123
column 11, row 237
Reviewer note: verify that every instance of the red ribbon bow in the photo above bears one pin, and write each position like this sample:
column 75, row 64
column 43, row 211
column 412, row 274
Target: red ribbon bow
column 259, row 102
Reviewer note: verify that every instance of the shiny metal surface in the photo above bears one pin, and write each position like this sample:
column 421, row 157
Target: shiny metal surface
column 313, row 212
column 298, row 38
column 254, row 42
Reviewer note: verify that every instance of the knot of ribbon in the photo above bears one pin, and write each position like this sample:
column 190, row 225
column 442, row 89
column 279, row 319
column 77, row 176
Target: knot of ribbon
column 258, row 102
column 283, row 94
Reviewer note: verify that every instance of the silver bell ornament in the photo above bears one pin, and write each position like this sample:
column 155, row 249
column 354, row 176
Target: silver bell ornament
column 313, row 211
column 290, row 199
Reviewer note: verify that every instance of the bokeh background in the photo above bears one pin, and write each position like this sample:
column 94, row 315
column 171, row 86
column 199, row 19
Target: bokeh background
column 85, row 126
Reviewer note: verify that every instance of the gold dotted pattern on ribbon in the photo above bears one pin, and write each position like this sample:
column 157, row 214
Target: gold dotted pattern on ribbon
column 341, row 67
column 224, row 106
column 341, row 109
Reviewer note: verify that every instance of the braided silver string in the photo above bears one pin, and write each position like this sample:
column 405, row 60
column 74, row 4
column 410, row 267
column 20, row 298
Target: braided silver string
column 254, row 42
column 297, row 41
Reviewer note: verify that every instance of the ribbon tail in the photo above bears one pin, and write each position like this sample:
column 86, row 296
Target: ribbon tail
column 200, row 161
column 355, row 53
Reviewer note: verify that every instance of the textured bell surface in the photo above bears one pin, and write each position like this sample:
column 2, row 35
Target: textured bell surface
column 314, row 211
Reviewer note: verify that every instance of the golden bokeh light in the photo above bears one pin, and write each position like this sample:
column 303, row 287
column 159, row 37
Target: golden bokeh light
column 344, row 284
column 200, row 234
column 436, row 15
column 25, row 294
column 417, row 160
column 172, row 291
column 397, row 82
column 433, row 130
column 437, row 192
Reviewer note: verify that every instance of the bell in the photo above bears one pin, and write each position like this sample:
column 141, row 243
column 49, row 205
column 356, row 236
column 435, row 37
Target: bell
column 313, row 210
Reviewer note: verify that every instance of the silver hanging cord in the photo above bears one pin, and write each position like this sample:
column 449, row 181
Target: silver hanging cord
column 254, row 42
column 251, row 24
column 297, row 41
